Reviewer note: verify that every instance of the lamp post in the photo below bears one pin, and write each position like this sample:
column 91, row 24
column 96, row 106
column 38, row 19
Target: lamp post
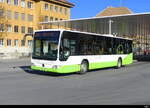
column 110, row 26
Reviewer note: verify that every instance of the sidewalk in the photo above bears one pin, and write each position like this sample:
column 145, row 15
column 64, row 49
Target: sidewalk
column 14, row 56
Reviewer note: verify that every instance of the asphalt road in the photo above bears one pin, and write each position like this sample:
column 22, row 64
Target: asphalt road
column 126, row 86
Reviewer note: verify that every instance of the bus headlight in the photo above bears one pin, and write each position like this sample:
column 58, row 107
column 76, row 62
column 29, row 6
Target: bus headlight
column 56, row 66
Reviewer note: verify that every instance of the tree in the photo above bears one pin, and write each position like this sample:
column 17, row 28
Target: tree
column 3, row 21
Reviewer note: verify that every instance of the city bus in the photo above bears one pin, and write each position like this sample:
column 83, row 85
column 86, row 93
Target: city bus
column 66, row 51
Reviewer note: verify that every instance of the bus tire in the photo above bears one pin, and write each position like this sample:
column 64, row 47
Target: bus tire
column 84, row 67
column 119, row 63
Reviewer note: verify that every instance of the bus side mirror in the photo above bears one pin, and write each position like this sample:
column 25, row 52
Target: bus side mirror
column 66, row 54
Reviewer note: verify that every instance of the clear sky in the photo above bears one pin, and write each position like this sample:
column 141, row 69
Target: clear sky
column 90, row 8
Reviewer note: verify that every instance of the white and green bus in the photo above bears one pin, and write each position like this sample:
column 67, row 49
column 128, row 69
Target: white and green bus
column 65, row 51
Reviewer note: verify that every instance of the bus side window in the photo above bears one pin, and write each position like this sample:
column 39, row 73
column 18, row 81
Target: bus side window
column 120, row 49
column 130, row 46
column 108, row 45
column 64, row 50
column 66, row 43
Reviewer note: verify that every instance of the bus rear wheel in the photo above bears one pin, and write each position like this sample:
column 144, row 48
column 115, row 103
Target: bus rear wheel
column 84, row 67
column 119, row 63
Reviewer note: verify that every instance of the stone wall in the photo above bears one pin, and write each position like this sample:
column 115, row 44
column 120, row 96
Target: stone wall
column 14, row 52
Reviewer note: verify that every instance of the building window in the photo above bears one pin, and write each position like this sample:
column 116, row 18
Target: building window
column 23, row 29
column 16, row 3
column 46, row 6
column 22, row 42
column 56, row 8
column 16, row 15
column 8, row 1
column 16, row 29
column 30, row 17
column 56, row 19
column 51, row 18
column 51, row 7
column 61, row 10
column 16, row 42
column 1, row 42
column 2, row 28
column 9, row 14
column 8, row 42
column 29, row 43
column 30, row 5
column 9, row 28
column 1, row 12
column 66, row 11
column 23, row 3
column 23, row 16
column 30, row 30
column 46, row 18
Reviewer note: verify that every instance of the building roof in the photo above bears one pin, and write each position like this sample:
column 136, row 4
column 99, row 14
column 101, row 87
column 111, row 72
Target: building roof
column 65, row 1
column 61, row 2
column 111, row 11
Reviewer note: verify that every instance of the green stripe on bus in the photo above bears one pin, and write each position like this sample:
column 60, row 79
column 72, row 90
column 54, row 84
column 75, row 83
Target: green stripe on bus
column 128, row 59
column 62, row 69
column 102, row 65
column 76, row 68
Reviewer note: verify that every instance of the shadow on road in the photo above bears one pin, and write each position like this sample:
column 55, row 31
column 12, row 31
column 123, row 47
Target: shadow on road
column 27, row 69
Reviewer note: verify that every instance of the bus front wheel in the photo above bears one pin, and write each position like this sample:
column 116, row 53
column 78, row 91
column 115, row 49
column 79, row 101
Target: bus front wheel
column 84, row 67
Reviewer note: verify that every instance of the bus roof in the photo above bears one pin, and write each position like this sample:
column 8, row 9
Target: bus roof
column 62, row 30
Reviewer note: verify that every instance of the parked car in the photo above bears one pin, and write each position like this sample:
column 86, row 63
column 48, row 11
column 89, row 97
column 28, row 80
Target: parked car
column 147, row 52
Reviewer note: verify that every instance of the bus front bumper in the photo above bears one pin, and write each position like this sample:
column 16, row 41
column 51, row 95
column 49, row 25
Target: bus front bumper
column 58, row 69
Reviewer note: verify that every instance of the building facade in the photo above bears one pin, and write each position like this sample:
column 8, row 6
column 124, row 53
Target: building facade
column 20, row 17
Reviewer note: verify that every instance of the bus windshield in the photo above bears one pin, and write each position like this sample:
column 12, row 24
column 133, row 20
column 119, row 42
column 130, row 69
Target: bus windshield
column 45, row 45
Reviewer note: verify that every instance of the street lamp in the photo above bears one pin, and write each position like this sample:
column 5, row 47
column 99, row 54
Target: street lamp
column 110, row 26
